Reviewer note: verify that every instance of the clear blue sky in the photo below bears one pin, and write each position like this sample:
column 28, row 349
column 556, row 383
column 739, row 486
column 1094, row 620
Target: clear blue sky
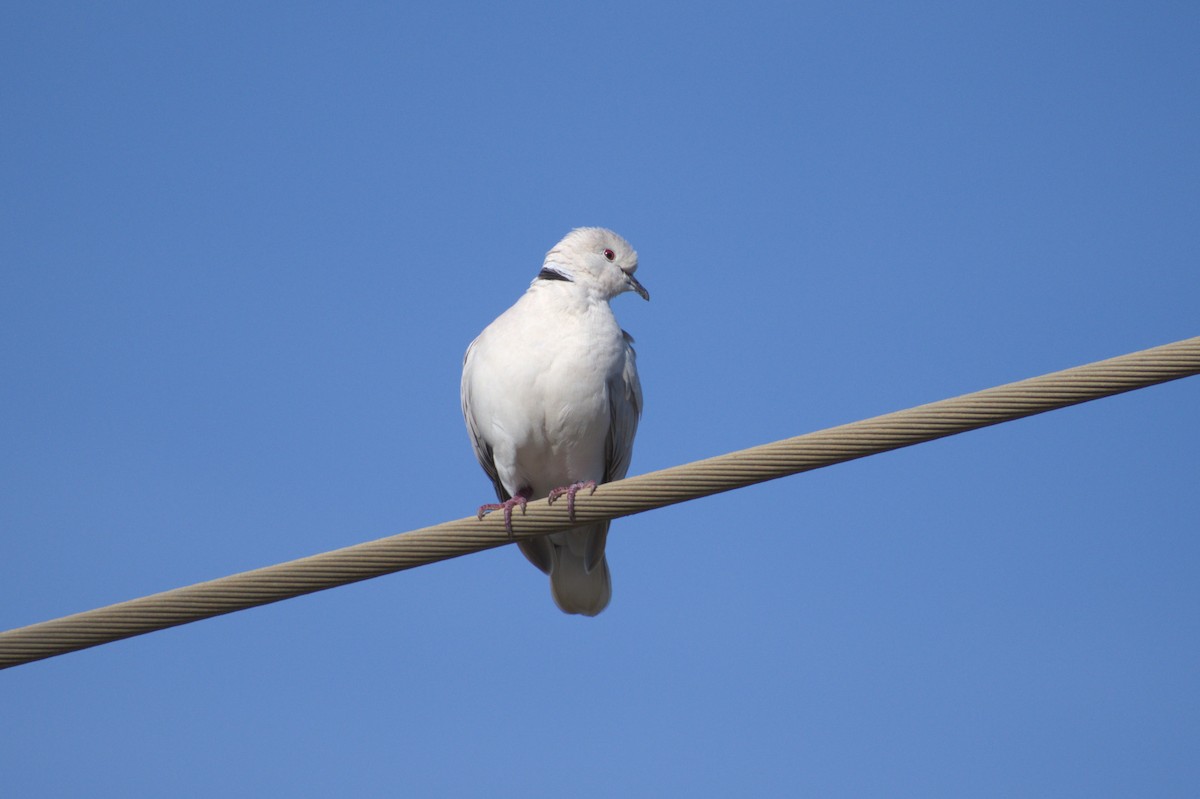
column 242, row 251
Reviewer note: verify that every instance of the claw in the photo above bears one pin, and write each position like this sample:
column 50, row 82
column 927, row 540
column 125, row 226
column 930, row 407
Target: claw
column 507, row 506
column 571, row 491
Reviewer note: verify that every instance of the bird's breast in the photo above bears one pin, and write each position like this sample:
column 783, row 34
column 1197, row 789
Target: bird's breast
column 546, row 389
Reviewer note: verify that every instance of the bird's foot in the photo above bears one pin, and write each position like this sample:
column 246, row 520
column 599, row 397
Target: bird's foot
column 571, row 491
column 507, row 506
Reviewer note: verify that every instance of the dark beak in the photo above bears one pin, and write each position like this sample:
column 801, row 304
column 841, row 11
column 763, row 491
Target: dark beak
column 638, row 287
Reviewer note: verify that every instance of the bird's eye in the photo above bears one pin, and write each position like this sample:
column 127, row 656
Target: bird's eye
column 610, row 255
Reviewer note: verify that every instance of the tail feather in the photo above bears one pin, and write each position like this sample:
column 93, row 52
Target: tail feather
column 575, row 587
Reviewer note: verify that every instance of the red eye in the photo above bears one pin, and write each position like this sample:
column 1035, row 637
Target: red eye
column 610, row 255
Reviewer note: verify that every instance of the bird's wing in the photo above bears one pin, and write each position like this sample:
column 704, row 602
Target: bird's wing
column 625, row 408
column 483, row 450
column 537, row 550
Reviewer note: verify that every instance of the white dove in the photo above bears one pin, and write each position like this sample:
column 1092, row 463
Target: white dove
column 551, row 397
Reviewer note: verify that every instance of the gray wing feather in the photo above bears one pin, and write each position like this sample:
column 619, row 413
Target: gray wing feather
column 483, row 450
column 625, row 408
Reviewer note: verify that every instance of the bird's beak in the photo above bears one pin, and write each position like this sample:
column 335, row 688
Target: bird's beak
column 634, row 285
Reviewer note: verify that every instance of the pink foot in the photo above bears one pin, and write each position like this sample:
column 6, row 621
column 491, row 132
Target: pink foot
column 571, row 491
column 507, row 506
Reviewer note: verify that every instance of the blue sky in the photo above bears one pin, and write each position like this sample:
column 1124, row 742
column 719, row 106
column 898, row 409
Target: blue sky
column 242, row 251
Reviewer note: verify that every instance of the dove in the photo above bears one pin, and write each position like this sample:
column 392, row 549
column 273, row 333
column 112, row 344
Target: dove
column 551, row 398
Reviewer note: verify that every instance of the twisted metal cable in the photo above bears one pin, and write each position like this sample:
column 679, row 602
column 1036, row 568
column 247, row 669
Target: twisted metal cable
column 612, row 500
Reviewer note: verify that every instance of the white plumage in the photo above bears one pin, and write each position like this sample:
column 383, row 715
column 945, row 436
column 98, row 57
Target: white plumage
column 551, row 398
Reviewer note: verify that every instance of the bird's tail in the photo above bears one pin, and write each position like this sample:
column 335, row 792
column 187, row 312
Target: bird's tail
column 579, row 578
column 575, row 589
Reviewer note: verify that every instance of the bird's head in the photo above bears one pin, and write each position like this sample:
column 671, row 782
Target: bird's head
column 596, row 259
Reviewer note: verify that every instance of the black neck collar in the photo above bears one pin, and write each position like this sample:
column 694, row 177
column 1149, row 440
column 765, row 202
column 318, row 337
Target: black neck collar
column 550, row 274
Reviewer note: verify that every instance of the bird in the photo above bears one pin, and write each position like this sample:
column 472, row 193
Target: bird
column 551, row 399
